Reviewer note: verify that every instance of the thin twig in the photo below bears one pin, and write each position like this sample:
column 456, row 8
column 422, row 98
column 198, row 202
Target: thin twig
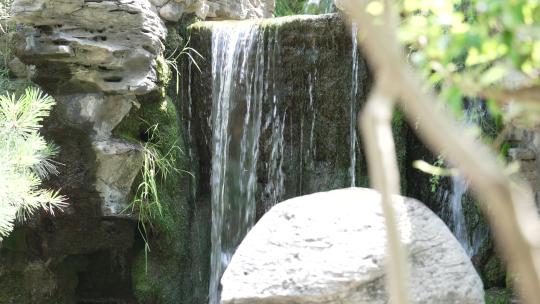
column 384, row 174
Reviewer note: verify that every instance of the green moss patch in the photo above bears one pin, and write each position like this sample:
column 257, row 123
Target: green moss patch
column 498, row 296
column 156, row 273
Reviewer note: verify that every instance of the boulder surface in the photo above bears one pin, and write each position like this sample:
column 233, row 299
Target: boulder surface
column 329, row 247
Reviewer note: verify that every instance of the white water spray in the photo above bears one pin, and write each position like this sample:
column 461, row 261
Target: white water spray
column 236, row 123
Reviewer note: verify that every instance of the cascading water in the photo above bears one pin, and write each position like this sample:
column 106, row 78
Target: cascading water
column 471, row 241
column 459, row 187
column 275, row 123
column 236, row 124
column 265, row 143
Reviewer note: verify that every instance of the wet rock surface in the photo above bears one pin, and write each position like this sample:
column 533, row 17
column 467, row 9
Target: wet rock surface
column 329, row 247
column 305, row 131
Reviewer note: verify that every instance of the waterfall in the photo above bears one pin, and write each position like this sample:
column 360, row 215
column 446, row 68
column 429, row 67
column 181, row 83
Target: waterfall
column 275, row 123
column 265, row 124
column 237, row 93
column 459, row 187
column 471, row 241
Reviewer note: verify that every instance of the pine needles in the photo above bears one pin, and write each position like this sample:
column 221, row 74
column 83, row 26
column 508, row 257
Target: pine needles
column 26, row 159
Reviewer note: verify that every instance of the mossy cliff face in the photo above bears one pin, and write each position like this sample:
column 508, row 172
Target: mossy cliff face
column 307, row 107
column 162, row 274
column 309, row 73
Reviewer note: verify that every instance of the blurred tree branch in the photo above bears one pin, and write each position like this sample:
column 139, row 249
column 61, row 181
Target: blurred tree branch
column 507, row 203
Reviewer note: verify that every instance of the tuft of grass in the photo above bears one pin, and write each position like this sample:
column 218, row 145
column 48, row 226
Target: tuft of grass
column 176, row 54
column 289, row 7
column 160, row 154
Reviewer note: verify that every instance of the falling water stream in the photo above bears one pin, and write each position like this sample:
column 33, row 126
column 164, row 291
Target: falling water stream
column 471, row 241
column 245, row 70
column 238, row 86
column 274, row 122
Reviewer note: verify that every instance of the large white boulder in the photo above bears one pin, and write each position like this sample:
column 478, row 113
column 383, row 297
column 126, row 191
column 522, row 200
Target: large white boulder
column 330, row 248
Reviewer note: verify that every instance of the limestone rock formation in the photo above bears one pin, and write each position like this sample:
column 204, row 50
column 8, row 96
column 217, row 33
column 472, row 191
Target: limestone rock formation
column 95, row 58
column 106, row 46
column 329, row 247
column 100, row 62
column 173, row 10
column 240, row 9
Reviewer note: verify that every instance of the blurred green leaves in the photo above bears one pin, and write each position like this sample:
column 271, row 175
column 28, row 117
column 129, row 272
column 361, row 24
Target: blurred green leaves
column 26, row 159
column 474, row 48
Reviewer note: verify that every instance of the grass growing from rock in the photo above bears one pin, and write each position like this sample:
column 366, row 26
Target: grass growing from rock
column 289, row 7
column 159, row 200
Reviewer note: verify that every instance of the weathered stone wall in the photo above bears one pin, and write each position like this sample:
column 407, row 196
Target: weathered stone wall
column 98, row 59
column 525, row 149
column 173, row 10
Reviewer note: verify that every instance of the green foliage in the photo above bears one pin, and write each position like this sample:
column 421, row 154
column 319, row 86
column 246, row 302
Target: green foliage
column 160, row 200
column 298, row 7
column 498, row 296
column 26, row 159
column 159, row 161
column 435, row 179
column 161, row 151
column 475, row 48
column 171, row 63
column 494, row 272
column 289, row 7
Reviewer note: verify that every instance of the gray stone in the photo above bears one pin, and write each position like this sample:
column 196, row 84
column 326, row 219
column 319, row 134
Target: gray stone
column 117, row 164
column 18, row 68
column 95, row 114
column 521, row 154
column 159, row 3
column 172, row 11
column 106, row 46
column 240, row 9
column 330, row 248
column 95, row 58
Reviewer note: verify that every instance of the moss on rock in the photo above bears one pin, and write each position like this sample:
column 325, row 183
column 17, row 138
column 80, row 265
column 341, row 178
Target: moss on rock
column 498, row 296
column 157, row 274
column 494, row 273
